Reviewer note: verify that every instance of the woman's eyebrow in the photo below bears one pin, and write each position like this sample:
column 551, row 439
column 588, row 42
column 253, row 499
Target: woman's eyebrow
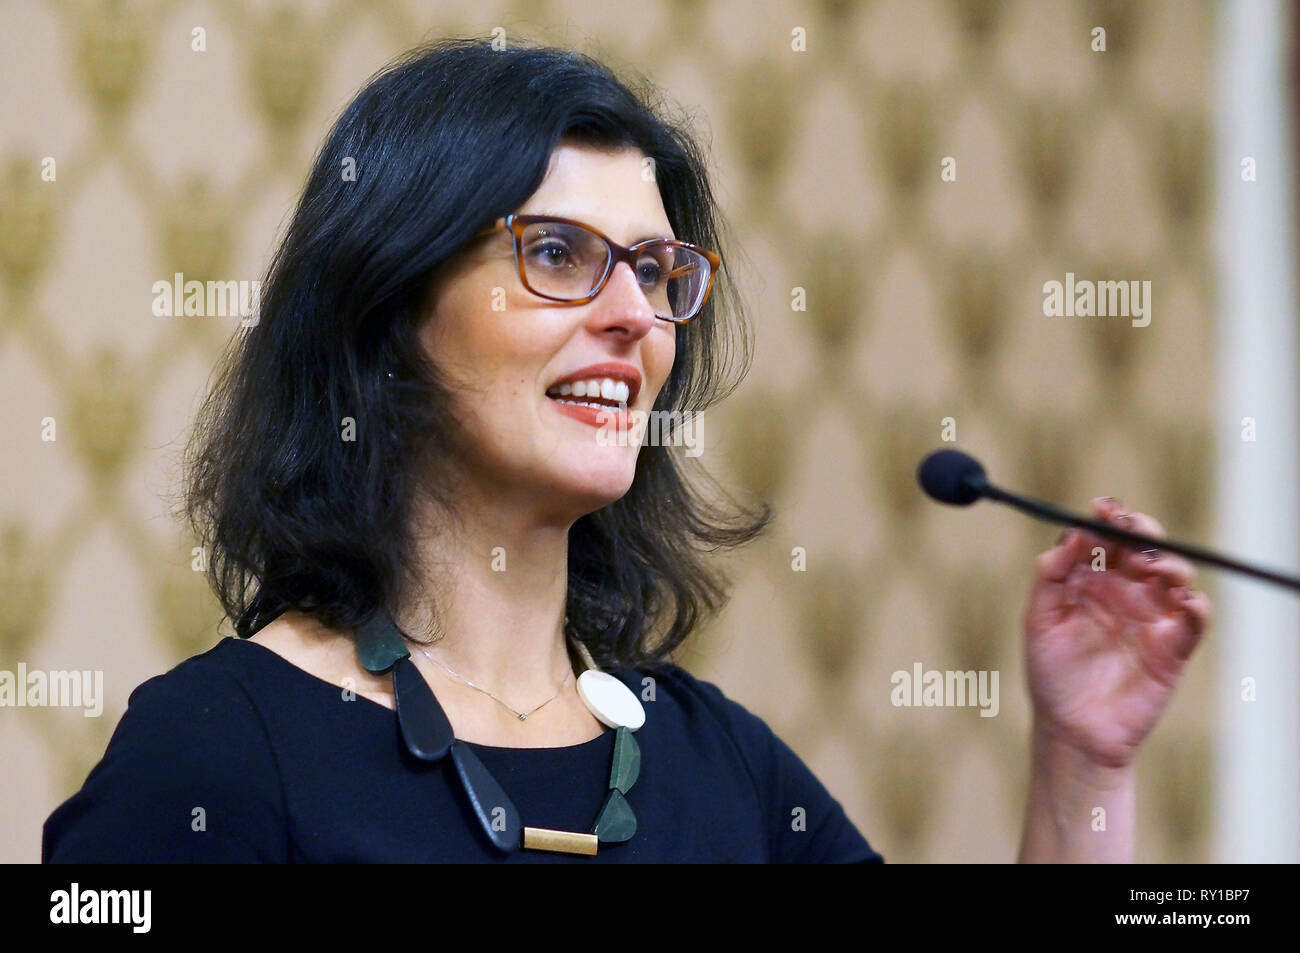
column 646, row 236
column 649, row 236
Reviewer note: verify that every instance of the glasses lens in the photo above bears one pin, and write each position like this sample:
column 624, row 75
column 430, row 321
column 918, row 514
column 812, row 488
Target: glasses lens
column 682, row 280
column 562, row 260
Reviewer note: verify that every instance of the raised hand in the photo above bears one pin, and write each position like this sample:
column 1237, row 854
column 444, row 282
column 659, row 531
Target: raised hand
column 1104, row 649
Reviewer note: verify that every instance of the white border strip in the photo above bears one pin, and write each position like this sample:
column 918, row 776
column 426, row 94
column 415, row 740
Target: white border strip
column 1257, row 630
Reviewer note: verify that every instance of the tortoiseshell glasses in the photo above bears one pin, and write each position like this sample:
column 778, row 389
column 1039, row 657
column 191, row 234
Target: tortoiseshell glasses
column 563, row 260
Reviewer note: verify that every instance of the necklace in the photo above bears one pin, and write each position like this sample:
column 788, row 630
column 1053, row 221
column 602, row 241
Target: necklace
column 518, row 714
column 428, row 736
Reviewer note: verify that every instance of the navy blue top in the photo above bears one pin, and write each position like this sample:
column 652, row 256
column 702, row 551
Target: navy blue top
column 285, row 770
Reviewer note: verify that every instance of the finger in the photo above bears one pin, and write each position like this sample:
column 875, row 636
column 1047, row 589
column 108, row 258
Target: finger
column 1113, row 512
column 1107, row 509
column 1174, row 638
column 1159, row 589
column 1088, row 543
column 1139, row 563
column 1142, row 523
column 1194, row 616
column 1198, row 607
column 1103, row 507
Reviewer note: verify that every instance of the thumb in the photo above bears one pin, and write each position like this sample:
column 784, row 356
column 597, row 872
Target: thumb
column 1055, row 564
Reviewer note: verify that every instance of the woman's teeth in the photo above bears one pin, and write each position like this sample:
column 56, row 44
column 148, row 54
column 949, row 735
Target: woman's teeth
column 607, row 389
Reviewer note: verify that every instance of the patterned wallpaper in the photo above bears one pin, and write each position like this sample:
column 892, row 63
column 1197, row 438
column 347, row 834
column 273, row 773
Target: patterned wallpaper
column 902, row 178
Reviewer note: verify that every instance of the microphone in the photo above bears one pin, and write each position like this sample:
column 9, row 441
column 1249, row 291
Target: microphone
column 952, row 477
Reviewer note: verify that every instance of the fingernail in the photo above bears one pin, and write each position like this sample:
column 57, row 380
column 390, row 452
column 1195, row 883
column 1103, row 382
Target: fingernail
column 1151, row 554
column 1123, row 519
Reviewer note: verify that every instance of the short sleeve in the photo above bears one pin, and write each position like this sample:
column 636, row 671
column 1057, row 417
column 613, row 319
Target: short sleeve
column 189, row 776
column 806, row 825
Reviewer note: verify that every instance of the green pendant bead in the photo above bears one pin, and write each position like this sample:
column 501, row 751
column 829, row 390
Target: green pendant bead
column 616, row 822
column 379, row 645
column 626, row 767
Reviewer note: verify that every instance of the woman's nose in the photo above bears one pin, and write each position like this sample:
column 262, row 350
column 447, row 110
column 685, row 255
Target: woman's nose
column 622, row 303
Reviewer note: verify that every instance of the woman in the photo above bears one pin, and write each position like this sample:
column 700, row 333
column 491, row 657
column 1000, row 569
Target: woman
column 429, row 544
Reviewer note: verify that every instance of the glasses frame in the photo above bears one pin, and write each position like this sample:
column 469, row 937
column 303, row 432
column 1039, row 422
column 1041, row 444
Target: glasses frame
column 515, row 224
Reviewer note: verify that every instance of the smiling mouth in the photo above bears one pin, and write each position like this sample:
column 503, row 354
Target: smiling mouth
column 600, row 393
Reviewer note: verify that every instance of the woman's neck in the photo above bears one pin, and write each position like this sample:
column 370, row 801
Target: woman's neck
column 498, row 582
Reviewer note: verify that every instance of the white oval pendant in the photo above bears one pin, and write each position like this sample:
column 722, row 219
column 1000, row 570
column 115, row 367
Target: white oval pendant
column 610, row 700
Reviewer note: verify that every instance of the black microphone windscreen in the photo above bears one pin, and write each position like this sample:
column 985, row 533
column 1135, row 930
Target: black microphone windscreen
column 950, row 476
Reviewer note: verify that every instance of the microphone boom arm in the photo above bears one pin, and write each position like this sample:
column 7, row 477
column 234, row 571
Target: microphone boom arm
column 1054, row 514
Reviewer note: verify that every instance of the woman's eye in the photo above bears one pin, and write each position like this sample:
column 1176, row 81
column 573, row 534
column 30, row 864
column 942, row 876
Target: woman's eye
column 649, row 272
column 552, row 254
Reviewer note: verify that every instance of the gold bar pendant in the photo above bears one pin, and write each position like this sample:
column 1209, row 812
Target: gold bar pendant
column 562, row 842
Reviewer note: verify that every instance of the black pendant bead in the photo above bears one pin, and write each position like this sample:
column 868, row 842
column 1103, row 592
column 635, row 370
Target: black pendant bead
column 496, row 812
column 424, row 725
column 616, row 823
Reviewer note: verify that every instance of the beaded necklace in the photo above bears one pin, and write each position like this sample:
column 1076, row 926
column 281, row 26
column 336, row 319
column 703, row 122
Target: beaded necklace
column 428, row 735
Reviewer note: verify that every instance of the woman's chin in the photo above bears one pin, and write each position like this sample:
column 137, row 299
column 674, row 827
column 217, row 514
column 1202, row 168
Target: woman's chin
column 593, row 490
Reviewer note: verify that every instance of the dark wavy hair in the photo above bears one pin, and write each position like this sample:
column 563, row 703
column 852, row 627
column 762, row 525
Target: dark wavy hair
column 444, row 141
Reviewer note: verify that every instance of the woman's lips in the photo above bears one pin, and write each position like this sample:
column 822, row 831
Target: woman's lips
column 611, row 417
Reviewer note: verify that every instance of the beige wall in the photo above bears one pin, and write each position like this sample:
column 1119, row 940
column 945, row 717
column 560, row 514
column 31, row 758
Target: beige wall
column 924, row 301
